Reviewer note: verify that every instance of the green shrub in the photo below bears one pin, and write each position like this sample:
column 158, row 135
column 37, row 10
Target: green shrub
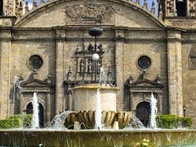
column 27, row 120
column 172, row 121
column 185, row 122
column 16, row 121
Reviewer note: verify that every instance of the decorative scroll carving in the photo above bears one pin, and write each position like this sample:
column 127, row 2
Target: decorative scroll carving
column 91, row 12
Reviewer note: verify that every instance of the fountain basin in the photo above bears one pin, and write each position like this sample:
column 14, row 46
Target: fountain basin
column 96, row 137
column 85, row 97
column 86, row 119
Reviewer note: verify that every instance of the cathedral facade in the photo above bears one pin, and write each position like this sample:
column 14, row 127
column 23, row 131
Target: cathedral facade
column 145, row 47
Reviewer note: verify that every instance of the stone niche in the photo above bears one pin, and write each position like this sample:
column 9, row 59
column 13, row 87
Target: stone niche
column 85, row 97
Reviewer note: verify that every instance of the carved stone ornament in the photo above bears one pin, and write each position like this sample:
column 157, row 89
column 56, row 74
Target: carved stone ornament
column 8, row 8
column 90, row 12
column 182, row 23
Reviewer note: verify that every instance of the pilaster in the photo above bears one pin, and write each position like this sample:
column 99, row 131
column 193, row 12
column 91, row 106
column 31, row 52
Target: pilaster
column 5, row 69
column 119, row 59
column 59, row 97
column 175, row 72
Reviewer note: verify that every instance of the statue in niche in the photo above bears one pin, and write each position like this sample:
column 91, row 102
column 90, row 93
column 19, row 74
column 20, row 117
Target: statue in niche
column 100, row 47
column 81, row 65
column 90, row 47
column 69, row 74
column 89, row 66
column 98, row 67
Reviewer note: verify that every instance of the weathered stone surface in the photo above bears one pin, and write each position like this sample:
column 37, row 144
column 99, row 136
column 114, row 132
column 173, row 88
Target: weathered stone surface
column 57, row 31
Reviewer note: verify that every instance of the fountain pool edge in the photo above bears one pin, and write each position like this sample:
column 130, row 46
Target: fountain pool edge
column 29, row 137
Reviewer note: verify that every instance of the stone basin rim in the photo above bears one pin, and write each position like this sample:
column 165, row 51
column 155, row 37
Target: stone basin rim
column 103, row 130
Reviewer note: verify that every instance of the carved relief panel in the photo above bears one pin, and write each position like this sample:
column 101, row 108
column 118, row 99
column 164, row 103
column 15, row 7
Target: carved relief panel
column 89, row 13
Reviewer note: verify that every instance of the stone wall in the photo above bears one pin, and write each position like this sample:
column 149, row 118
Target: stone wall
column 54, row 31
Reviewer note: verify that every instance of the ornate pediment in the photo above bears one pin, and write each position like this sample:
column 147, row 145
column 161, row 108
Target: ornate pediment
column 145, row 83
column 35, row 83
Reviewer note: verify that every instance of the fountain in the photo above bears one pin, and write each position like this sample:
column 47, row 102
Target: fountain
column 60, row 133
column 153, row 123
column 96, row 122
column 35, row 117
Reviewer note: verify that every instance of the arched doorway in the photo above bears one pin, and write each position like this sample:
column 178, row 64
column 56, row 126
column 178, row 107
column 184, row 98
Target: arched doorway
column 143, row 112
column 29, row 110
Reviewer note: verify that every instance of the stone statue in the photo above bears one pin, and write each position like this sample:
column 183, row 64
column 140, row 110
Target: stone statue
column 48, row 79
column 158, row 79
column 130, row 80
column 82, row 65
column 100, row 48
column 89, row 66
column 143, row 75
column 33, row 75
column 90, row 47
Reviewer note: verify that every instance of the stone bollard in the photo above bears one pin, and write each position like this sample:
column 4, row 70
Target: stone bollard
column 77, row 125
column 116, row 125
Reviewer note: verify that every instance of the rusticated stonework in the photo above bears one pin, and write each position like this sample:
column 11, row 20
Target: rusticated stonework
column 94, row 12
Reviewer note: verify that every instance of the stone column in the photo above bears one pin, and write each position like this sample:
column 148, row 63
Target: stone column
column 175, row 72
column 6, row 109
column 119, row 59
column 59, row 94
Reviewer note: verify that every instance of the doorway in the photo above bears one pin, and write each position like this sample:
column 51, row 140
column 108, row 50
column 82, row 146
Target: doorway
column 29, row 110
column 143, row 112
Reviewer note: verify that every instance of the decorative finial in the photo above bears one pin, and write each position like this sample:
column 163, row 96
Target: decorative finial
column 153, row 8
column 26, row 7
column 34, row 3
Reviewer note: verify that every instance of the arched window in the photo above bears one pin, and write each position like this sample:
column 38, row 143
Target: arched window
column 181, row 7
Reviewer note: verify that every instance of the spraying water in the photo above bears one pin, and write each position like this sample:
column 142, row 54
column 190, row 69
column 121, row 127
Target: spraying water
column 59, row 120
column 98, row 112
column 153, row 123
column 35, row 117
